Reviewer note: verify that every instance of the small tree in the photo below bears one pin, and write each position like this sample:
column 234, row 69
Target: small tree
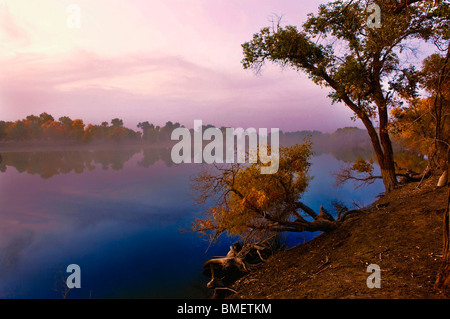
column 255, row 206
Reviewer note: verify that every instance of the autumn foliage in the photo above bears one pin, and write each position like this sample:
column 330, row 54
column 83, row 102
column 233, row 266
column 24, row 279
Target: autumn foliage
column 242, row 201
column 45, row 128
column 424, row 125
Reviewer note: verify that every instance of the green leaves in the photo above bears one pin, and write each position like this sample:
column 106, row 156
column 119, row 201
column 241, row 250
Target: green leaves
column 284, row 46
column 354, row 59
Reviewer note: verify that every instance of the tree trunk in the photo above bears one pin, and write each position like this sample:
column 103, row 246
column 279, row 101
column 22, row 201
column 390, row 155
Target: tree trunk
column 381, row 143
column 385, row 158
column 443, row 279
column 382, row 147
column 387, row 165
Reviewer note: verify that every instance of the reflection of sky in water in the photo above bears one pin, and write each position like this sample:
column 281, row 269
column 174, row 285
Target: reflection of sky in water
column 121, row 226
column 321, row 190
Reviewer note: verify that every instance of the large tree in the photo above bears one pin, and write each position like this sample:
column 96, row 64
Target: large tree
column 338, row 49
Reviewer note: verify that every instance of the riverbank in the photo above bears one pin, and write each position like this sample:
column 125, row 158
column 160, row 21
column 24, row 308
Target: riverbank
column 402, row 234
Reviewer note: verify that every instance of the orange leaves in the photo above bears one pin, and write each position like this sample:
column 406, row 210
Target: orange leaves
column 245, row 198
column 415, row 126
column 45, row 127
column 53, row 129
column 361, row 166
column 78, row 124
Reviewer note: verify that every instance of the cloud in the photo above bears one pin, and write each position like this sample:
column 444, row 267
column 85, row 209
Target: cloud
column 168, row 60
column 10, row 31
column 159, row 86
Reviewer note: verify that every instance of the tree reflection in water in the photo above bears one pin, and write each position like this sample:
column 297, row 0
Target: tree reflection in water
column 47, row 164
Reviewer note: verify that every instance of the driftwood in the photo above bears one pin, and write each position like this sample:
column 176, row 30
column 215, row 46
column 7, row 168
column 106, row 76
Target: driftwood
column 233, row 261
column 411, row 176
column 240, row 256
column 226, row 269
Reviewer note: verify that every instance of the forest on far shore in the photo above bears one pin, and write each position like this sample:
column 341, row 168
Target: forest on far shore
column 45, row 129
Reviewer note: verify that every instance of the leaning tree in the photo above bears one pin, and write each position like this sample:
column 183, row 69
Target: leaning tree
column 242, row 201
column 339, row 49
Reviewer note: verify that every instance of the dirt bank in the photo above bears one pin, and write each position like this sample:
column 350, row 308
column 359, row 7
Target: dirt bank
column 403, row 236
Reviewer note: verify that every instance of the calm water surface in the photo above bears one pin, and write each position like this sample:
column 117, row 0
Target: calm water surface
column 118, row 214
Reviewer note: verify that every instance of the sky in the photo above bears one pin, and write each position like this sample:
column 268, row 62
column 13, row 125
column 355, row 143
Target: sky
column 154, row 60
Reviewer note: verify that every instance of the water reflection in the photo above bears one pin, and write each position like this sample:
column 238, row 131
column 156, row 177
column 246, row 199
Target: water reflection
column 47, row 164
column 117, row 213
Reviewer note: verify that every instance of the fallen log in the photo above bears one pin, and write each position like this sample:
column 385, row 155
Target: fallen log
column 411, row 176
column 225, row 270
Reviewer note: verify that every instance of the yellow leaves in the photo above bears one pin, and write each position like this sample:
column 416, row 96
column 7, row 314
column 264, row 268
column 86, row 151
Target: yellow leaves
column 78, row 124
column 424, row 123
column 261, row 200
column 250, row 195
column 361, row 166
column 415, row 126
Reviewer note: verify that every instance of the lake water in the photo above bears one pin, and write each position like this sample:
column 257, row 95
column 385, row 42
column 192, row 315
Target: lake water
column 118, row 214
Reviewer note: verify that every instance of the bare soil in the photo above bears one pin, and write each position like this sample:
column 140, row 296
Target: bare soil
column 402, row 234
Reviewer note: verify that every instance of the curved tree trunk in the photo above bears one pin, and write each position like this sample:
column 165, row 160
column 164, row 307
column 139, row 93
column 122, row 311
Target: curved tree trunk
column 388, row 167
column 381, row 142
column 382, row 147
column 389, row 179
column 387, row 164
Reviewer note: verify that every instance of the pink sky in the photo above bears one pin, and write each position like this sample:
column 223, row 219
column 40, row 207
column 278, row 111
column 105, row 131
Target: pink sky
column 154, row 61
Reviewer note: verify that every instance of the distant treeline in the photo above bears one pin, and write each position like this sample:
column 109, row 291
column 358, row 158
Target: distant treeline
column 345, row 144
column 348, row 137
column 45, row 128
column 351, row 143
